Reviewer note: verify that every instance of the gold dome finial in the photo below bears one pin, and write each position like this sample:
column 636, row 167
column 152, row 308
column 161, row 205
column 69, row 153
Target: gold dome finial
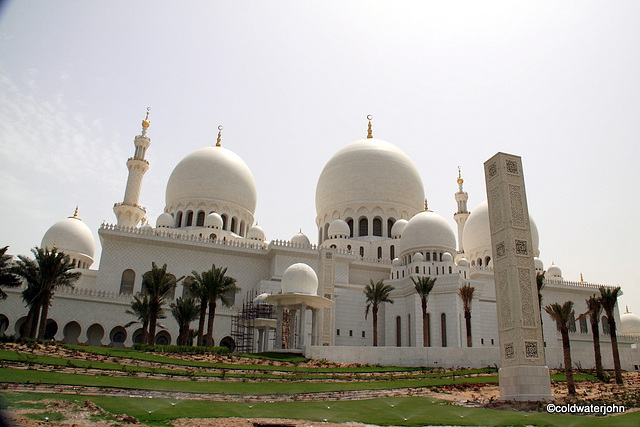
column 460, row 180
column 145, row 122
column 426, row 205
column 75, row 214
column 369, row 131
column 627, row 308
column 581, row 278
column 219, row 136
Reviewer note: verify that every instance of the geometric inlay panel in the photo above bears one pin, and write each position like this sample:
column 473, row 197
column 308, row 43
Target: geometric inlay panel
column 526, row 298
column 531, row 349
column 509, row 351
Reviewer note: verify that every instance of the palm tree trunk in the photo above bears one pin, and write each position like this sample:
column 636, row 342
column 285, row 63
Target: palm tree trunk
column 614, row 349
column 212, row 315
column 43, row 318
column 375, row 326
column 595, row 331
column 566, row 348
column 425, row 324
column 467, row 318
column 203, row 315
column 32, row 321
column 153, row 320
column 145, row 332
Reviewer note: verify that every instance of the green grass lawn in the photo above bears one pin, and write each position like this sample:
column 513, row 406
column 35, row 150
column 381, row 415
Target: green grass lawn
column 409, row 411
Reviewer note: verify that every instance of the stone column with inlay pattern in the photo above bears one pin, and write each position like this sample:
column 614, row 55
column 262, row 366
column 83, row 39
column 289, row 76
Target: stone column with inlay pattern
column 523, row 374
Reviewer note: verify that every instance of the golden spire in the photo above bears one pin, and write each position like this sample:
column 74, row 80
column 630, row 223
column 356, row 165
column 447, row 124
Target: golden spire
column 145, row 122
column 75, row 214
column 219, row 136
column 581, row 278
column 627, row 307
column 460, row 180
column 369, row 131
column 426, row 206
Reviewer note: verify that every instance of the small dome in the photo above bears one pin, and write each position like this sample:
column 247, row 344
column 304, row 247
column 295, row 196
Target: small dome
column 396, row 230
column 447, row 257
column 427, row 230
column 71, row 236
column 629, row 323
column 213, row 220
column 539, row 265
column 165, row 220
column 396, row 262
column 339, row 228
column 299, row 279
column 463, row 263
column 146, row 226
column 417, row 257
column 476, row 235
column 554, row 272
column 256, row 233
column 300, row 239
column 212, row 174
column 260, row 298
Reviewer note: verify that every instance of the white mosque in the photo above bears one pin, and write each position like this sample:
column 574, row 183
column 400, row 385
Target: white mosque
column 373, row 224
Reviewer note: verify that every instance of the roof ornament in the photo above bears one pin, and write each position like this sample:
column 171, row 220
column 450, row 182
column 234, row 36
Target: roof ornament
column 75, row 214
column 426, row 206
column 581, row 278
column 369, row 131
column 627, row 307
column 219, row 136
column 460, row 180
column 146, row 123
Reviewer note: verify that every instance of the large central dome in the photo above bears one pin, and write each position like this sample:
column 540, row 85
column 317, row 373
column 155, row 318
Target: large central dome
column 369, row 171
column 212, row 174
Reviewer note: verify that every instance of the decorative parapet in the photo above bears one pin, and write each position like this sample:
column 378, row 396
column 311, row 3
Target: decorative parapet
column 129, row 204
column 289, row 244
column 577, row 284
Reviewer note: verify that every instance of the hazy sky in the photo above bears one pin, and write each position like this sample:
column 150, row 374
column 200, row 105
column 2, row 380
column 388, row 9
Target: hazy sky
column 450, row 83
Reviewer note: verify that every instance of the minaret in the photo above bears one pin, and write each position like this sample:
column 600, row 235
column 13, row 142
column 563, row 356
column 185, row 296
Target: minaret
column 129, row 213
column 461, row 216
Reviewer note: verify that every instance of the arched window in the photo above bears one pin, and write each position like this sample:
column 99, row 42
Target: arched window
column 572, row 323
column 417, row 270
column 234, row 224
column 224, row 221
column 486, row 260
column 349, row 248
column 443, row 327
column 379, row 252
column 377, row 227
column 179, row 220
column 583, row 325
column 389, row 227
column 398, row 331
column 479, row 262
column 200, row 219
column 392, row 252
column 326, row 231
column 605, row 325
column 189, row 218
column 350, row 224
column 428, row 257
column 361, row 251
column 242, row 228
column 363, row 227
column 127, row 281
column 172, row 293
column 450, row 270
column 320, row 235
column 212, row 236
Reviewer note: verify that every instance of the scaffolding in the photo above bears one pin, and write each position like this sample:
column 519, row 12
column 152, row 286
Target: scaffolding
column 243, row 323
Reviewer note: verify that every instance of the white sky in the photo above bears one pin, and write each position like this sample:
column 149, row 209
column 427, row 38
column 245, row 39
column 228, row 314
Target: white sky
column 450, row 83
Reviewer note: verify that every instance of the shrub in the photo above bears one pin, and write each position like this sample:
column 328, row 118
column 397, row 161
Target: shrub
column 180, row 349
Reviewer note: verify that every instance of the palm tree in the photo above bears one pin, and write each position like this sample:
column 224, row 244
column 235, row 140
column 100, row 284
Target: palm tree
column 7, row 278
column 220, row 287
column 564, row 315
column 466, row 294
column 424, row 285
column 48, row 271
column 157, row 284
column 198, row 285
column 140, row 308
column 376, row 294
column 185, row 311
column 608, row 299
column 594, row 311
column 540, row 283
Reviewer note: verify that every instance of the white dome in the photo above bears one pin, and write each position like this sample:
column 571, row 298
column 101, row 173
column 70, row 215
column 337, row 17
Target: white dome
column 256, row 233
column 300, row 239
column 213, row 220
column 427, row 230
column 260, row 298
column 212, row 174
column 396, row 262
column 369, row 171
column 553, row 272
column 339, row 228
column 299, row 279
column 417, row 257
column 447, row 257
column 463, row 262
column 398, row 226
column 629, row 324
column 539, row 264
column 476, row 235
column 165, row 220
column 146, row 226
column 71, row 236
